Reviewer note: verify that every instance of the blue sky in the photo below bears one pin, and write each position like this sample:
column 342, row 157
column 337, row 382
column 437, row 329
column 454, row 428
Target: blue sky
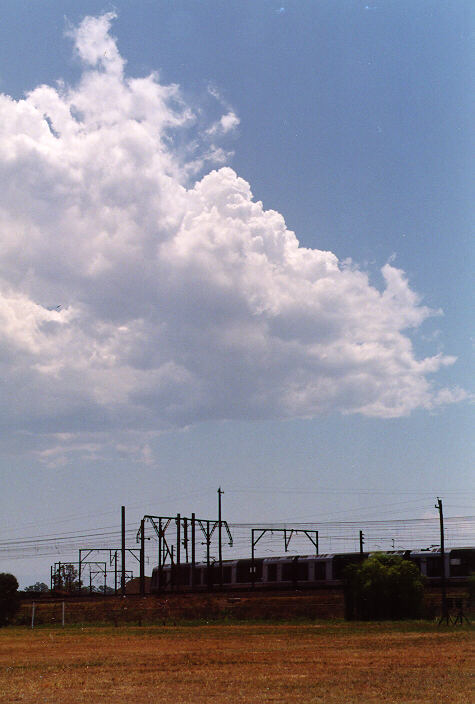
column 199, row 342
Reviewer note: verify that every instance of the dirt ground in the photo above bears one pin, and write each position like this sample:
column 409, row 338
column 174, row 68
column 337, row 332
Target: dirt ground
column 331, row 662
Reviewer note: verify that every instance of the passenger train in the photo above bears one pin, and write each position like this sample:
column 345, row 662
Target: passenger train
column 302, row 571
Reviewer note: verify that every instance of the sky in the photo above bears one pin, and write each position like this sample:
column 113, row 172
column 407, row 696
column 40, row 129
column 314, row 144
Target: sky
column 234, row 251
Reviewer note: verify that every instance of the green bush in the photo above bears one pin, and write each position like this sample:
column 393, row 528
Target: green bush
column 384, row 586
column 9, row 598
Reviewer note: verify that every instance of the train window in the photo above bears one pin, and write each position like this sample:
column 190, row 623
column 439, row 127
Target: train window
column 288, row 572
column 272, row 573
column 433, row 566
column 244, row 570
column 462, row 563
column 294, row 571
column 165, row 577
column 210, row 575
column 186, row 574
column 181, row 574
column 320, row 572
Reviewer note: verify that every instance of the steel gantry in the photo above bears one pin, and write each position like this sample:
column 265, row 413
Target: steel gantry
column 288, row 533
column 185, row 533
column 63, row 575
column 84, row 553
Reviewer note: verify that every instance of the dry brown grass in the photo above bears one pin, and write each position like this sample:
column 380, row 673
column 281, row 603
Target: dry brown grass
column 331, row 663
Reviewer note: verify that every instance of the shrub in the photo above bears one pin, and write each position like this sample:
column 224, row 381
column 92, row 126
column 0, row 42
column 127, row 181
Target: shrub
column 471, row 589
column 37, row 587
column 383, row 587
column 9, row 598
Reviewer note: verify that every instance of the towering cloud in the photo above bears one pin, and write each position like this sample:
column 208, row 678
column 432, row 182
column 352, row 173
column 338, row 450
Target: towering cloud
column 132, row 297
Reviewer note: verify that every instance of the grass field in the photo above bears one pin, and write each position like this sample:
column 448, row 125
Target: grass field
column 246, row 663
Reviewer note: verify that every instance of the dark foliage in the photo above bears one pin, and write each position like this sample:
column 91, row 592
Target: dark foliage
column 383, row 587
column 471, row 589
column 37, row 587
column 65, row 579
column 9, row 598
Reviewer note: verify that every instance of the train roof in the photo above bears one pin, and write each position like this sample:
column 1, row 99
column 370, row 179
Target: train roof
column 421, row 552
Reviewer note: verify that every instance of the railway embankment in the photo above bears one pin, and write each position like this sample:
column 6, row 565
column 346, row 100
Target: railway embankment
column 169, row 609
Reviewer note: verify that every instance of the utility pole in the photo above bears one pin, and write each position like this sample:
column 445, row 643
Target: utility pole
column 220, row 545
column 172, row 566
column 445, row 613
column 142, row 557
column 160, row 554
column 208, row 563
column 178, row 552
column 193, row 553
column 253, row 564
column 122, row 576
column 185, row 538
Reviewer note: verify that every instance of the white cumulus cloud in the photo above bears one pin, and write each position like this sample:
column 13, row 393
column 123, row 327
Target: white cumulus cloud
column 133, row 298
column 226, row 123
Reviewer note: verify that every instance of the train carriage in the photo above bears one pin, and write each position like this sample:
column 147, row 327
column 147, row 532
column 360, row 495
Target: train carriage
column 300, row 571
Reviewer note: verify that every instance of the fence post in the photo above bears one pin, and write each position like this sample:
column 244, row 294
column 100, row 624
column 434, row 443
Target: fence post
column 33, row 607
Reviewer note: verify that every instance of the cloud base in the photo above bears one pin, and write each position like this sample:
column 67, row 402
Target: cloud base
column 134, row 297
